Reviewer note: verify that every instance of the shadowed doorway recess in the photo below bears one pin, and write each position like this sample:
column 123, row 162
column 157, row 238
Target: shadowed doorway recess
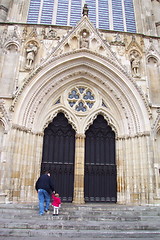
column 100, row 166
column 58, row 155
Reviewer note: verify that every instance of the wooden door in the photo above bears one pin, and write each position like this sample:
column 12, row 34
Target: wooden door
column 100, row 166
column 58, row 155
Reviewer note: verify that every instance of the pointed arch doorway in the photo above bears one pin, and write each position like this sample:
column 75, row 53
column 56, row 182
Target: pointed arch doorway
column 58, row 155
column 100, row 184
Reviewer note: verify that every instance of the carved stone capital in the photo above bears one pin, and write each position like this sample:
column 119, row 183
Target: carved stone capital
column 80, row 136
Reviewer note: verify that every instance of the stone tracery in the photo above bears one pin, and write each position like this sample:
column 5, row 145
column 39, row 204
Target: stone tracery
column 81, row 99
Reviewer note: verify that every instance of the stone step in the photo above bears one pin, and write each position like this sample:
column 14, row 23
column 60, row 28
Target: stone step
column 59, row 224
column 82, row 217
column 83, row 221
column 41, row 233
column 94, row 210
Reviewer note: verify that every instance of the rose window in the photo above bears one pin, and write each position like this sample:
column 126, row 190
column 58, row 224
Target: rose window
column 81, row 99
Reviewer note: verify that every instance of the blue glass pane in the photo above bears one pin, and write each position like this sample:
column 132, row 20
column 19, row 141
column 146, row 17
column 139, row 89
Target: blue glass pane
column 33, row 11
column 81, row 107
column 130, row 18
column 117, row 15
column 88, row 95
column 76, row 12
column 92, row 10
column 62, row 12
column 73, row 95
column 47, row 11
column 103, row 14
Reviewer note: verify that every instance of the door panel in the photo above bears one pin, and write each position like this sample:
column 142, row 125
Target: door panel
column 100, row 167
column 58, row 155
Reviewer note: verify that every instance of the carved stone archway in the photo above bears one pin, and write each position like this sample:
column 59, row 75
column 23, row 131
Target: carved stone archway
column 117, row 98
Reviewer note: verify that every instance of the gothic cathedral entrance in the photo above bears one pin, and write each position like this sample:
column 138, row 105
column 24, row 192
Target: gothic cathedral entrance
column 100, row 183
column 58, row 155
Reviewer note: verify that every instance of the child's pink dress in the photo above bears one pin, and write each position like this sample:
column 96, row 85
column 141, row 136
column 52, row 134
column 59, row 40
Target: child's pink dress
column 56, row 203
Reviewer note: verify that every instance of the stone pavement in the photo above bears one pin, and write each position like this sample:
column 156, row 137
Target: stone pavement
column 88, row 221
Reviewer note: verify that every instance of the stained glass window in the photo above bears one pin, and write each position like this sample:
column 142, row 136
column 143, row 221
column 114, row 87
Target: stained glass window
column 104, row 14
column 81, row 99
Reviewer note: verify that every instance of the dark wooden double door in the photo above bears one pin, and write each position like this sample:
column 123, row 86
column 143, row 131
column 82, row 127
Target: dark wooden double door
column 100, row 167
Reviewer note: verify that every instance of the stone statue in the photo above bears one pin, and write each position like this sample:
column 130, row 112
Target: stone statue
column 31, row 52
column 51, row 34
column 84, row 43
column 135, row 63
column 85, row 10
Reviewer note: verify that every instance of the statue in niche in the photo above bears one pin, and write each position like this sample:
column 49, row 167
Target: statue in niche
column 135, row 63
column 84, row 42
column 31, row 52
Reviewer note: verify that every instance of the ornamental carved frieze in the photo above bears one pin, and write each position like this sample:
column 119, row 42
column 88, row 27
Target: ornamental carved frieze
column 10, row 40
column 118, row 41
column 4, row 115
column 50, row 34
column 156, row 124
column 26, row 130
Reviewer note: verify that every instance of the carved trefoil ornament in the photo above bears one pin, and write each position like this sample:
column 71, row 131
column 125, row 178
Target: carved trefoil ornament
column 81, row 99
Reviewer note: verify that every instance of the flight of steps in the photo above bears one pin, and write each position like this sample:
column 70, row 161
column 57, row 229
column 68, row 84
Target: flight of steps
column 88, row 221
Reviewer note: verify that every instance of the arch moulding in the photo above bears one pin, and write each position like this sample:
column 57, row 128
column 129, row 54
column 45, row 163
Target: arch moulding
column 43, row 94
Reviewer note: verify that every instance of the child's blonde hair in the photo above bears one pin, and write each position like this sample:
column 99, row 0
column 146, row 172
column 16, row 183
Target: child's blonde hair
column 56, row 195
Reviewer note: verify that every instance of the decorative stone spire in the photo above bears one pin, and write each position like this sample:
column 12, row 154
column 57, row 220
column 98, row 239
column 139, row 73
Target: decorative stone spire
column 85, row 10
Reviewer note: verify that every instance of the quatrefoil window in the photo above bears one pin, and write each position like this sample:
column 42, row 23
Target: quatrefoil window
column 81, row 99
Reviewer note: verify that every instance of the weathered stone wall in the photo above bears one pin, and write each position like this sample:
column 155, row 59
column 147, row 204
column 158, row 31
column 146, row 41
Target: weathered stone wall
column 39, row 67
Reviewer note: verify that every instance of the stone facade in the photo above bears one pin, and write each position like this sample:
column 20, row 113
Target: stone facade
column 39, row 67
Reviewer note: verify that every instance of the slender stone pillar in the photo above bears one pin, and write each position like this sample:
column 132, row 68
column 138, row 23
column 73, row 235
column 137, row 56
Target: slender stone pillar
column 121, row 171
column 79, row 170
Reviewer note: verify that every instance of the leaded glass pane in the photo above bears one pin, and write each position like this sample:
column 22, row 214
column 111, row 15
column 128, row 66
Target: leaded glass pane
column 81, row 99
column 42, row 11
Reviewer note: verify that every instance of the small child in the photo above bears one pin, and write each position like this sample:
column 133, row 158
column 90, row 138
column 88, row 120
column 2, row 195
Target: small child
column 56, row 203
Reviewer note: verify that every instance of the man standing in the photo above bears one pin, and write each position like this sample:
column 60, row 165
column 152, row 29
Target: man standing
column 44, row 187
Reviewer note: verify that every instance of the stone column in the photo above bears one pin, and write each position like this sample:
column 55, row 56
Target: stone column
column 79, row 170
column 25, row 151
column 121, row 171
column 134, row 170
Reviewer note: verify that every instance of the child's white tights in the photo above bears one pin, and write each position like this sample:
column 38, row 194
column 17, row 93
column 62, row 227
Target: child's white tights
column 55, row 210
